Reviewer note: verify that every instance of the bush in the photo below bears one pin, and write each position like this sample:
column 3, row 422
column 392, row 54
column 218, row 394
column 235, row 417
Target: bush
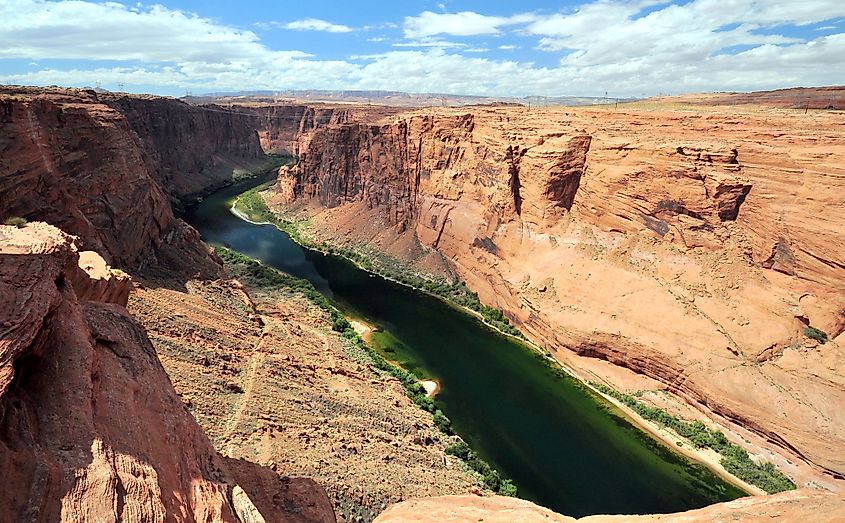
column 442, row 422
column 15, row 221
column 812, row 332
column 507, row 488
column 734, row 459
column 460, row 450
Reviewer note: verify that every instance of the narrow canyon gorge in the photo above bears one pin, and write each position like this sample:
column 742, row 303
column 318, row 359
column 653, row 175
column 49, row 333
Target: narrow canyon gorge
column 678, row 249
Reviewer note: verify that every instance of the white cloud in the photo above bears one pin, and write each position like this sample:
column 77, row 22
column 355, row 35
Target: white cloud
column 36, row 29
column 508, row 47
column 430, row 42
column 465, row 23
column 315, row 24
column 606, row 45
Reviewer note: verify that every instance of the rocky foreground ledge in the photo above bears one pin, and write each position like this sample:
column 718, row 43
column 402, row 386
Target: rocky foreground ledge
column 90, row 426
column 801, row 505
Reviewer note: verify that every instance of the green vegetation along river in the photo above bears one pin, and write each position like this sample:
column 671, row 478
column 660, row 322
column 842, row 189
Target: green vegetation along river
column 563, row 446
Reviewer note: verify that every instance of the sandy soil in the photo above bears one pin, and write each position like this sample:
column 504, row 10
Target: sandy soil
column 431, row 388
column 364, row 330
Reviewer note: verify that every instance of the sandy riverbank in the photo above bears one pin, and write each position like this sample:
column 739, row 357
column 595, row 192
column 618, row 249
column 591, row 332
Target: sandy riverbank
column 707, row 457
column 363, row 330
column 431, row 388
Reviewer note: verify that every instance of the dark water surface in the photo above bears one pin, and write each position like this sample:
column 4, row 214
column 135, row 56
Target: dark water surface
column 563, row 447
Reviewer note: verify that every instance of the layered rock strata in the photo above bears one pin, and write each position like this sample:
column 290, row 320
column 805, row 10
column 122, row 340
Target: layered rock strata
column 690, row 246
column 107, row 167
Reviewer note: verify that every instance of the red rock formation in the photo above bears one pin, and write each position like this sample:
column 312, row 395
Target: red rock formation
column 282, row 128
column 807, row 98
column 90, row 426
column 107, row 167
column 802, row 505
column 641, row 237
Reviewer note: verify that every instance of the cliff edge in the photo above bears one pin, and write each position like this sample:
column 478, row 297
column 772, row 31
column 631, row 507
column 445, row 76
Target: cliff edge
column 90, row 426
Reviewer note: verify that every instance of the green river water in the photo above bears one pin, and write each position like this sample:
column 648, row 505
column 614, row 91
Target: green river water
column 564, row 447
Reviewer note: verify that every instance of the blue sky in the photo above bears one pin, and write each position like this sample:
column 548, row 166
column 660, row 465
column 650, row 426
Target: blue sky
column 623, row 47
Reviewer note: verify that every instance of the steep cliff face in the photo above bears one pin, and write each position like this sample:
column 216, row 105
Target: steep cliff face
column 107, row 167
column 691, row 247
column 280, row 127
column 90, row 426
column 410, row 168
column 283, row 128
column 189, row 149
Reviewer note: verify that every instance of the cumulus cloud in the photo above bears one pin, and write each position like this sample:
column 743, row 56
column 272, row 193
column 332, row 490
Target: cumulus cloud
column 37, row 29
column 425, row 42
column 315, row 24
column 624, row 47
column 465, row 23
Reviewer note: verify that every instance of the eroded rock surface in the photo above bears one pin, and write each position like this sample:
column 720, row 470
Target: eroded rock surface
column 90, row 426
column 691, row 246
column 107, row 167
column 269, row 381
column 802, row 505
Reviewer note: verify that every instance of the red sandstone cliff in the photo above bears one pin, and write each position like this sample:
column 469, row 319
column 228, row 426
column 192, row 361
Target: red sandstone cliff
column 90, row 426
column 691, row 247
column 283, row 128
column 107, row 167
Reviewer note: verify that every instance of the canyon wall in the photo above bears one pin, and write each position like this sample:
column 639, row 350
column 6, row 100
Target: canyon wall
column 107, row 167
column 284, row 128
column 690, row 246
column 90, row 426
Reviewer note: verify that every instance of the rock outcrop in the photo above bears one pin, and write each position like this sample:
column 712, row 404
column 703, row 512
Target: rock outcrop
column 690, row 246
column 90, row 426
column 107, row 167
column 802, row 505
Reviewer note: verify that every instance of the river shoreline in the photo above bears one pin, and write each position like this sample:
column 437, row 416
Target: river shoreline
column 663, row 436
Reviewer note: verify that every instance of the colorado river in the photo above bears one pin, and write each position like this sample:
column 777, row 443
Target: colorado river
column 563, row 447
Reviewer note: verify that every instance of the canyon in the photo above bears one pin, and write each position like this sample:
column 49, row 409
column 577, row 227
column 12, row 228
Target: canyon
column 677, row 250
column 691, row 246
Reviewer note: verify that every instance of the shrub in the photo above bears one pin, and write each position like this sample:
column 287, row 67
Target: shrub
column 442, row 422
column 734, row 459
column 817, row 334
column 15, row 221
column 460, row 450
column 507, row 488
